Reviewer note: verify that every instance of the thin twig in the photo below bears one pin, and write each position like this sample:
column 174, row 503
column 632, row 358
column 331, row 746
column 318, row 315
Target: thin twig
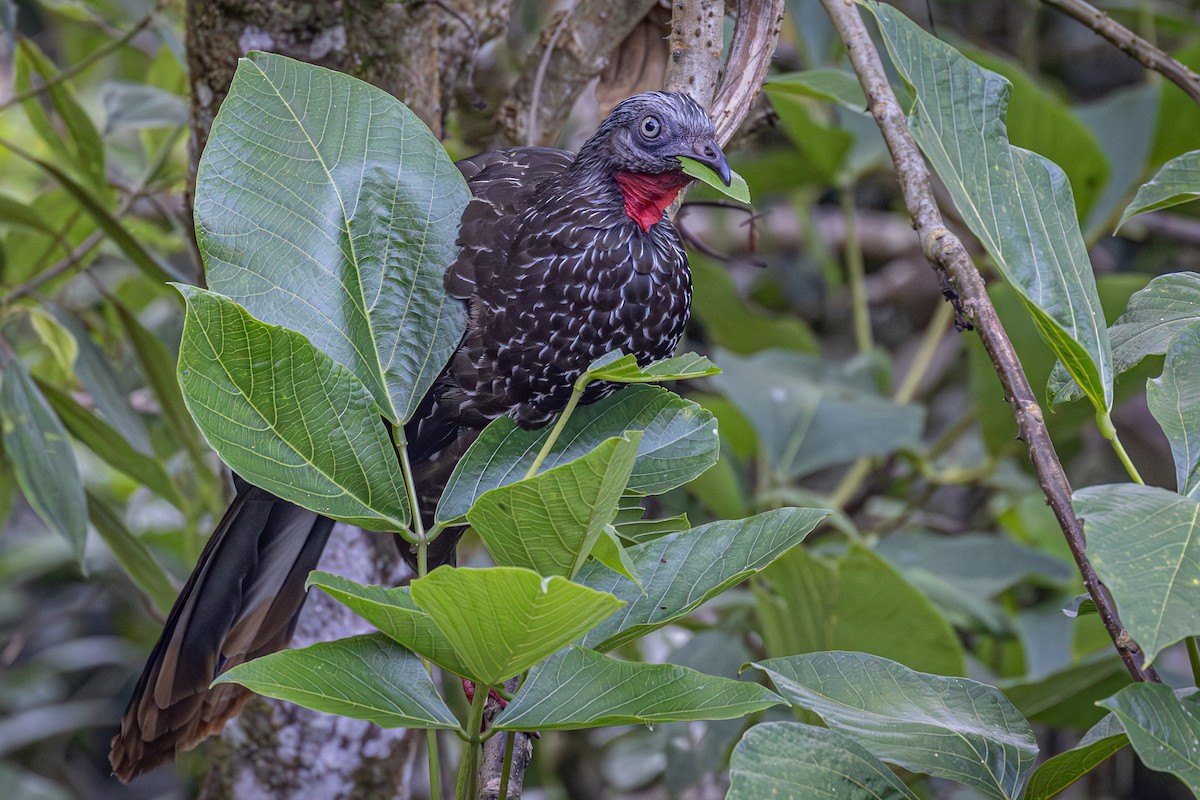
column 91, row 58
column 948, row 255
column 1131, row 44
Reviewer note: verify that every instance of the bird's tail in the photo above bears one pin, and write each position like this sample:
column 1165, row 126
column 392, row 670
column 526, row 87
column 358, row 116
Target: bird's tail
column 241, row 601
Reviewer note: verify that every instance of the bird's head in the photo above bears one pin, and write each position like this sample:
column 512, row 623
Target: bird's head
column 648, row 132
column 639, row 145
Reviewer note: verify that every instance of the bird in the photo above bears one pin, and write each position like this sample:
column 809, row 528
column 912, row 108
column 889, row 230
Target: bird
column 562, row 257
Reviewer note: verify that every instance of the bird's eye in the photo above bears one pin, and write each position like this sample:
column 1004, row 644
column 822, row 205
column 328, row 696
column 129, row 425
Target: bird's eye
column 651, row 127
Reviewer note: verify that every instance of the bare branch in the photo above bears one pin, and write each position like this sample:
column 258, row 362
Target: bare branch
column 1131, row 44
column 948, row 255
column 754, row 39
column 573, row 50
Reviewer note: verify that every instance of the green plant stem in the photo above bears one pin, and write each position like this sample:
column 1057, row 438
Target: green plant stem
column 1109, row 431
column 855, row 272
column 561, row 423
column 1193, row 652
column 468, row 768
column 506, row 770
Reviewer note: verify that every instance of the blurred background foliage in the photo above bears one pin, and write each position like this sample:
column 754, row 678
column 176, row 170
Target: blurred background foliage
column 844, row 384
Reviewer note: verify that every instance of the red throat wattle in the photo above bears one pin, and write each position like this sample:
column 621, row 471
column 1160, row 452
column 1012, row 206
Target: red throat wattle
column 647, row 195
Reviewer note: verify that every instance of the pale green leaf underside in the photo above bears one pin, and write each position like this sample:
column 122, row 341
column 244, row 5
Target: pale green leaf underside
column 324, row 205
column 1174, row 400
column 1017, row 203
column 580, row 688
column 952, row 728
column 286, row 417
column 1145, row 545
column 738, row 189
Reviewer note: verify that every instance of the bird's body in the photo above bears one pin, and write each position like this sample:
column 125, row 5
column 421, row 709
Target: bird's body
column 562, row 259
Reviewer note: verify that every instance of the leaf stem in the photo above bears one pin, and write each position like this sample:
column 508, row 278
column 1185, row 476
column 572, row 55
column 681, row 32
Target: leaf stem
column 468, row 768
column 1109, row 431
column 561, row 423
column 855, row 272
column 1193, row 652
column 511, row 738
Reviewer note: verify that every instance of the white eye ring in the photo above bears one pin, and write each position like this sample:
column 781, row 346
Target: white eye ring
column 651, row 127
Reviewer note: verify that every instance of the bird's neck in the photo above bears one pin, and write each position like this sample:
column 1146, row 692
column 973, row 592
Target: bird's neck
column 648, row 195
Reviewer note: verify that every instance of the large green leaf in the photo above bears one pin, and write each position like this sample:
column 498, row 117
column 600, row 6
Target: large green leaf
column 1066, row 697
column 1017, row 203
column 41, row 455
column 1154, row 316
column 856, row 602
column 580, row 688
column 1104, row 739
column 832, row 85
column 948, row 727
column 503, row 620
column 550, row 522
column 364, row 677
column 787, row 759
column 1177, row 182
column 396, row 616
column 811, row 414
column 680, row 571
column 287, row 417
column 1174, row 400
column 679, row 441
column 326, row 206
column 1163, row 729
column 1145, row 543
column 980, row 563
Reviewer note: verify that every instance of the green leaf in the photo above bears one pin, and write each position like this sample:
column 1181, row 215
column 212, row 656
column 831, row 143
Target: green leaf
column 133, row 556
column 312, row 178
column 1174, row 400
column 610, row 552
column 980, row 563
column 832, row 85
column 822, row 147
column 1017, row 203
column 138, row 106
column 580, row 688
column 731, row 323
column 1153, row 318
column 625, row 369
column 737, row 188
column 57, row 339
column 1162, row 729
column 396, row 616
column 364, row 677
column 679, row 441
column 787, row 759
column 503, row 620
column 103, row 440
column 856, row 602
column 811, row 414
column 1177, row 182
column 286, row 417
column 680, row 571
column 947, row 727
column 1144, row 543
column 41, row 455
column 18, row 212
column 1104, row 739
column 550, row 522
column 1067, row 697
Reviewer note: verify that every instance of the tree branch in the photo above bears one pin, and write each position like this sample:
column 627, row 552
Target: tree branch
column 697, row 39
column 755, row 37
column 948, row 255
column 1131, row 44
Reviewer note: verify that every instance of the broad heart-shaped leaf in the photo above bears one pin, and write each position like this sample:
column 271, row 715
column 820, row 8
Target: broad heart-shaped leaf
column 1145, row 543
column 788, row 759
column 1017, row 203
column 1053, row 775
column 680, row 571
column 37, row 446
column 324, row 205
column 1152, row 319
column 1178, row 181
column 1174, row 400
column 811, row 414
column 947, row 727
column 679, row 441
column 1163, row 729
column 503, row 620
column 580, row 688
column 550, row 522
column 396, row 616
column 625, row 369
column 286, row 417
column 365, row 677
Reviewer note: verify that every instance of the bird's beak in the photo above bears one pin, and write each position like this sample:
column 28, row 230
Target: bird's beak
column 707, row 152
